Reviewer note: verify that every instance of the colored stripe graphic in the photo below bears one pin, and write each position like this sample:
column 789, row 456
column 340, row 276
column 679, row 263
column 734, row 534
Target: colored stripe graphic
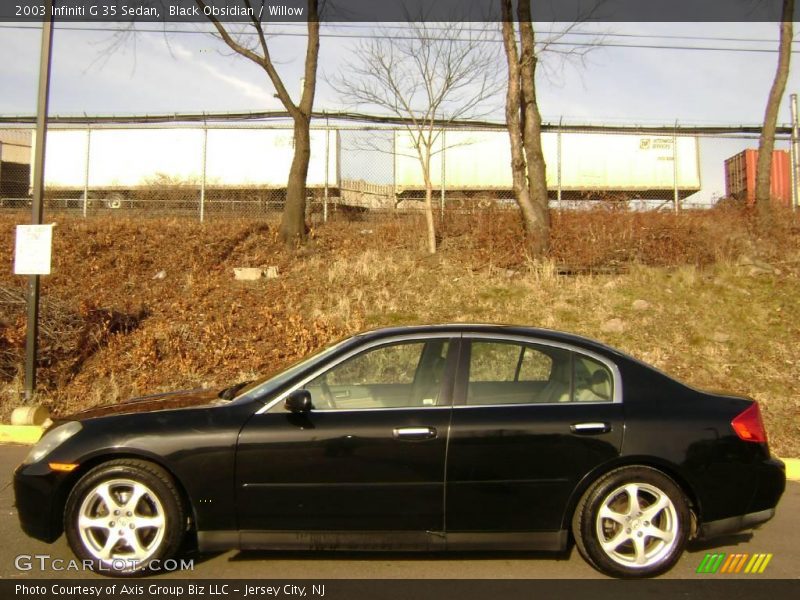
column 729, row 564
column 711, row 563
column 734, row 563
column 742, row 560
column 704, row 564
column 765, row 563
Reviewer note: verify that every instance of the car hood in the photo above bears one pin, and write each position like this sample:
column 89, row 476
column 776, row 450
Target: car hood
column 155, row 402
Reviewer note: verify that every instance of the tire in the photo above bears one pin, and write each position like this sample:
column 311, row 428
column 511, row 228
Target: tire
column 118, row 535
column 622, row 538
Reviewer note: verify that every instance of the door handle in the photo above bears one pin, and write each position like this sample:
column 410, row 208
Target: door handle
column 590, row 428
column 414, row 434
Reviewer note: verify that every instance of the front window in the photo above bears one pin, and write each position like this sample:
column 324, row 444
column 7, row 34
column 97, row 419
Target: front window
column 406, row 374
column 266, row 385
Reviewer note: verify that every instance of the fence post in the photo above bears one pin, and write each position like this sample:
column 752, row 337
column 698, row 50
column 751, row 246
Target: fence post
column 86, row 170
column 444, row 154
column 327, row 162
column 676, row 197
column 558, row 160
column 795, row 154
column 203, row 174
column 394, row 171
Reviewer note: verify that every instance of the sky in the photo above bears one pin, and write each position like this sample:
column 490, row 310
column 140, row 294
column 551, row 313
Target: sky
column 194, row 72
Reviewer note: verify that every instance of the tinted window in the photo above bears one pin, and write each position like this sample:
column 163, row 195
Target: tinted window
column 387, row 365
column 400, row 375
column 593, row 380
column 511, row 373
column 516, row 373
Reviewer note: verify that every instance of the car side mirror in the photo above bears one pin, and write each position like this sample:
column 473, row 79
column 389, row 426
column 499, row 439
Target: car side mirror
column 299, row 401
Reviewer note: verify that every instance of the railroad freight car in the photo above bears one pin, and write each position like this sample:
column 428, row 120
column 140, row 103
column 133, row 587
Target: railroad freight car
column 581, row 165
column 129, row 166
column 15, row 166
column 740, row 177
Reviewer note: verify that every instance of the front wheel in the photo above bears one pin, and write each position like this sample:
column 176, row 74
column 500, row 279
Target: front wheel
column 123, row 515
column 633, row 522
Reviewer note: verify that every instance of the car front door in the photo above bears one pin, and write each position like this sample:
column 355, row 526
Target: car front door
column 368, row 457
column 530, row 420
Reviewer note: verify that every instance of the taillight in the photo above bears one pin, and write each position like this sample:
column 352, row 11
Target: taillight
column 749, row 426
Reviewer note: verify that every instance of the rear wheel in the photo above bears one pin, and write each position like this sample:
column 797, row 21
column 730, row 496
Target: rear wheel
column 633, row 522
column 123, row 515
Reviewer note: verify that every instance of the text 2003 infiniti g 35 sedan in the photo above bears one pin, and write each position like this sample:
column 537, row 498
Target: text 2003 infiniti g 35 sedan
column 436, row 437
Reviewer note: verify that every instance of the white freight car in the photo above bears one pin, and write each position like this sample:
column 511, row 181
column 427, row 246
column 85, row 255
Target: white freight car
column 591, row 165
column 234, row 158
column 15, row 165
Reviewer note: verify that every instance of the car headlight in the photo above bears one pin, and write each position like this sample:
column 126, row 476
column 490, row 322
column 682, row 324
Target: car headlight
column 52, row 440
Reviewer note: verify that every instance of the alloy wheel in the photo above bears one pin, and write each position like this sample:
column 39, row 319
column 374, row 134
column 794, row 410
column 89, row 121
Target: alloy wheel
column 637, row 525
column 121, row 520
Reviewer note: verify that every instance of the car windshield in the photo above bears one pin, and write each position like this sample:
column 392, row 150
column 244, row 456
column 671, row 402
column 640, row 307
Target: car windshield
column 274, row 380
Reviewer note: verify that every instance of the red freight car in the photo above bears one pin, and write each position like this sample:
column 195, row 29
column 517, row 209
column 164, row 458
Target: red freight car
column 740, row 177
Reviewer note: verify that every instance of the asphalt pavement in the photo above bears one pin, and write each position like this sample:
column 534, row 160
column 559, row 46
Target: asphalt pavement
column 777, row 537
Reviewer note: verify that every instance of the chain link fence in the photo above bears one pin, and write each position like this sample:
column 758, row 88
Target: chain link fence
column 240, row 170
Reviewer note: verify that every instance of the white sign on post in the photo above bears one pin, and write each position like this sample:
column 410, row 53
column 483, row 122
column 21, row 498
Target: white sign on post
column 33, row 250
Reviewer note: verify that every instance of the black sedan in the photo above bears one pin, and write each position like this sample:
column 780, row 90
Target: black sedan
column 450, row 437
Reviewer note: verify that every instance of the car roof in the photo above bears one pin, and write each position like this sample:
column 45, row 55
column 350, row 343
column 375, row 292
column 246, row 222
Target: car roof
column 492, row 328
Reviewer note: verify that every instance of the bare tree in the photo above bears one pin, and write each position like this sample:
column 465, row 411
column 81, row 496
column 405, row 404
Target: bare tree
column 256, row 49
column 430, row 76
column 766, row 143
column 524, row 124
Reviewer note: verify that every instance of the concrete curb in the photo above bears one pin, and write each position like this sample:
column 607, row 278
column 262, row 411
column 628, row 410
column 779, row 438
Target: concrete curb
column 792, row 468
column 20, row 434
column 30, row 434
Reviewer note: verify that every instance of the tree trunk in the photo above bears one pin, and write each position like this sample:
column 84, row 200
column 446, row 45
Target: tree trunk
column 429, row 222
column 532, row 132
column 535, row 217
column 766, row 143
column 293, row 220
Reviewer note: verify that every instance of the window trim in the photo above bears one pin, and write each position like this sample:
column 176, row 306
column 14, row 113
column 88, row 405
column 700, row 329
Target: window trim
column 453, row 337
column 460, row 399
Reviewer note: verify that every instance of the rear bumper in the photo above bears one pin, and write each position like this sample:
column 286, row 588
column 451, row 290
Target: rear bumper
column 734, row 524
column 770, row 485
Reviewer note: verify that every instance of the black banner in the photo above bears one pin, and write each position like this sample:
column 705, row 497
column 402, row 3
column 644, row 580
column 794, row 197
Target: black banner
column 348, row 589
column 287, row 11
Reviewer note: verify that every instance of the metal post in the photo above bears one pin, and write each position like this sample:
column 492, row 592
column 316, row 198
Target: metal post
column 442, row 182
column 86, row 170
column 203, row 174
column 558, row 166
column 32, row 331
column 676, row 197
column 795, row 154
column 394, row 170
column 327, row 161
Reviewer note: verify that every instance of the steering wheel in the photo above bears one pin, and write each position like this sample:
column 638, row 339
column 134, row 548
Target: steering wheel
column 327, row 395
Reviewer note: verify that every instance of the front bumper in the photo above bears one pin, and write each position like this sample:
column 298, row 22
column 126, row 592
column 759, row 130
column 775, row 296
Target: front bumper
column 39, row 501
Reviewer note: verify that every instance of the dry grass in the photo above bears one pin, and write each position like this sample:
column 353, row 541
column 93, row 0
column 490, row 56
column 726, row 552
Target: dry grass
column 706, row 318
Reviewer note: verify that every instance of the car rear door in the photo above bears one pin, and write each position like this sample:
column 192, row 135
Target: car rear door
column 369, row 457
column 530, row 420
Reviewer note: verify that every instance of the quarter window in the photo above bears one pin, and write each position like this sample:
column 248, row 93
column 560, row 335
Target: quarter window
column 593, row 381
